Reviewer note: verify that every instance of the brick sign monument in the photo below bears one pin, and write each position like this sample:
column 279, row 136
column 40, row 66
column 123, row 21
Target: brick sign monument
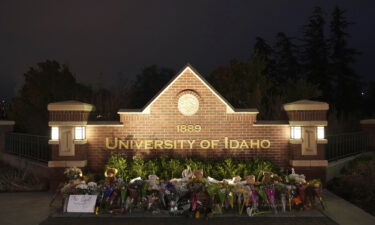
column 189, row 118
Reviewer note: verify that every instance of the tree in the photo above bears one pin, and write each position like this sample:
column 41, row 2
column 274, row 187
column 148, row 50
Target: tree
column 108, row 101
column 347, row 95
column 314, row 53
column 265, row 52
column 4, row 108
column 47, row 82
column 286, row 61
column 148, row 83
column 244, row 85
column 369, row 99
column 297, row 89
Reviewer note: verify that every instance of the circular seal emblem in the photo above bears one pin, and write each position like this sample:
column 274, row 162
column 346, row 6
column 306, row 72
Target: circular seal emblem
column 188, row 104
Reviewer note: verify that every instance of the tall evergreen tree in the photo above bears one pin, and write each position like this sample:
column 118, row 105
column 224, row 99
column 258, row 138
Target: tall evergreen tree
column 148, row 83
column 264, row 52
column 347, row 95
column 286, row 61
column 314, row 54
column 46, row 82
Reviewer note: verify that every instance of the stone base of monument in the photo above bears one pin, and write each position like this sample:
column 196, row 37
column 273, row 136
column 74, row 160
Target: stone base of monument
column 166, row 214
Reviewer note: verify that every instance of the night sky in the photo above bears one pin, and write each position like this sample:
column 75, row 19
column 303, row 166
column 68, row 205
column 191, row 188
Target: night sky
column 108, row 37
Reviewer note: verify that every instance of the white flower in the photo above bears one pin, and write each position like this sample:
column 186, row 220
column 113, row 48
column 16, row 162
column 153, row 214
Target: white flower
column 82, row 186
column 92, row 185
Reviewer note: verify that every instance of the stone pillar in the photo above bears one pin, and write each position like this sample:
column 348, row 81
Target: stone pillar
column 308, row 120
column 5, row 126
column 369, row 127
column 68, row 142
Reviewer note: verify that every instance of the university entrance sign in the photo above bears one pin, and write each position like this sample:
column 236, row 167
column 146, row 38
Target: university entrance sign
column 117, row 143
column 189, row 118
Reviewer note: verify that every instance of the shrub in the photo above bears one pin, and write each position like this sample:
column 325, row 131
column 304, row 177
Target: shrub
column 168, row 168
column 138, row 167
column 12, row 179
column 151, row 167
column 120, row 163
column 357, row 183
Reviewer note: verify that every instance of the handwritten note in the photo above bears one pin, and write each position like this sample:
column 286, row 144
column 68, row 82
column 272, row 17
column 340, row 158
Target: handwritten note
column 81, row 203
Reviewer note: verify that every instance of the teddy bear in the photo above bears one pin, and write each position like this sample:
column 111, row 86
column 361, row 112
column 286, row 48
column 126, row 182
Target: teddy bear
column 110, row 176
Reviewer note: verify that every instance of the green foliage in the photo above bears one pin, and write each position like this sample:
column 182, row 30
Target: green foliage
column 120, row 163
column 151, row 167
column 254, row 85
column 152, row 79
column 175, row 168
column 300, row 89
column 138, row 167
column 227, row 168
column 163, row 165
column 168, row 168
column 347, row 95
column 16, row 180
column 45, row 83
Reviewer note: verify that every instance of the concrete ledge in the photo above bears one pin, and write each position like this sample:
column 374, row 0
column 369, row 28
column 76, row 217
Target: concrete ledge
column 306, row 105
column 309, row 163
column 80, row 142
column 295, row 141
column 70, row 106
column 322, row 141
column 308, row 123
column 7, row 123
column 369, row 121
column 67, row 123
column 53, row 142
column 82, row 163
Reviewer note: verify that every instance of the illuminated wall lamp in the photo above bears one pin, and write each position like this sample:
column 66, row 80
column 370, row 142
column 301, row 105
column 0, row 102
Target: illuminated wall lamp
column 79, row 133
column 295, row 132
column 320, row 132
column 54, row 133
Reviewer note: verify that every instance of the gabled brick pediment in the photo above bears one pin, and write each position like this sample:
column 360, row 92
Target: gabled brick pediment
column 188, row 81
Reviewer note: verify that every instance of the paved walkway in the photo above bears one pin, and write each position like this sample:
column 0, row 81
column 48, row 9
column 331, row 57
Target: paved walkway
column 24, row 208
column 345, row 213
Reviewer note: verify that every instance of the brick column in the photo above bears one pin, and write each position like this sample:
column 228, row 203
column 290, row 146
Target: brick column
column 68, row 122
column 5, row 126
column 369, row 127
column 308, row 120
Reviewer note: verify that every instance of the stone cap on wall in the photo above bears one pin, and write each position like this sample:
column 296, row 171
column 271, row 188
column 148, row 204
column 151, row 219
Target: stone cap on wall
column 368, row 121
column 306, row 105
column 70, row 106
column 6, row 123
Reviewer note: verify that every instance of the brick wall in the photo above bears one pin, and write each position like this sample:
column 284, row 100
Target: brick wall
column 80, row 153
column 296, row 153
column 307, row 115
column 68, row 115
column 212, row 116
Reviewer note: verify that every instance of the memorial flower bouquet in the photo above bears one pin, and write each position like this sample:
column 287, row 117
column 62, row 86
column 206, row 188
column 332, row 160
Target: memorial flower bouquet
column 73, row 173
column 196, row 195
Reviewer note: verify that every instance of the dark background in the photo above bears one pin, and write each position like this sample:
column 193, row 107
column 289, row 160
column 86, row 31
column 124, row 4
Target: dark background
column 101, row 40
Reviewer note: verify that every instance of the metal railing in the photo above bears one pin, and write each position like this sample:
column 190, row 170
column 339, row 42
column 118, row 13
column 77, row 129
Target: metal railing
column 29, row 146
column 344, row 145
